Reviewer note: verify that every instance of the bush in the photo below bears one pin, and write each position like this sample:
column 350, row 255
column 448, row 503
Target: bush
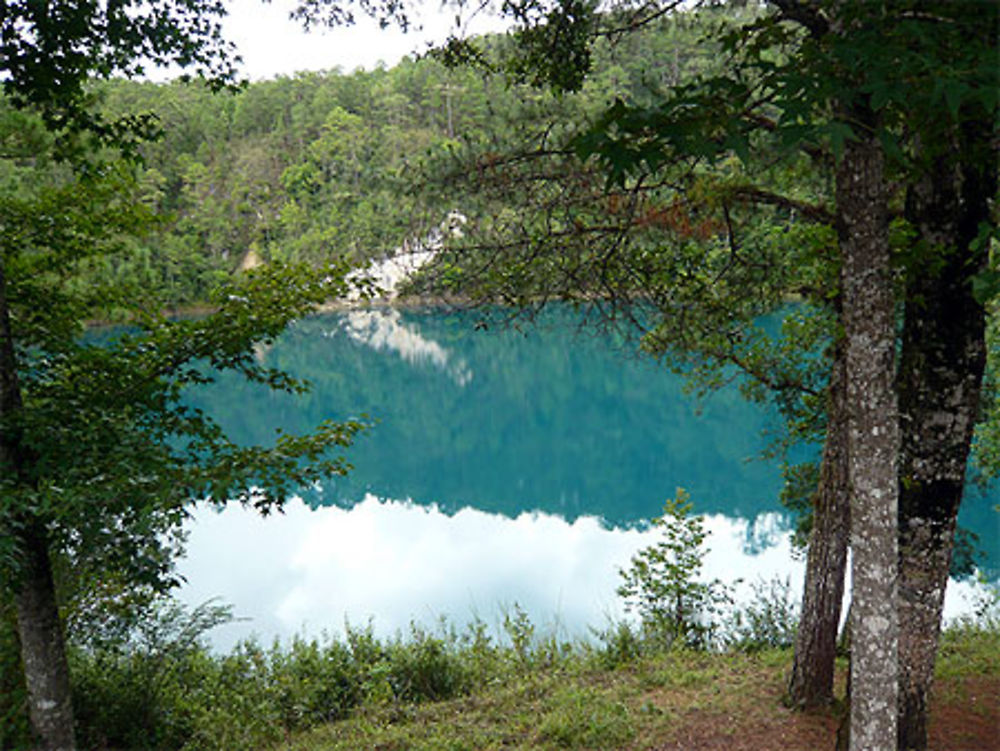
column 621, row 644
column 769, row 621
column 312, row 683
column 662, row 584
column 481, row 657
column 134, row 692
column 160, row 687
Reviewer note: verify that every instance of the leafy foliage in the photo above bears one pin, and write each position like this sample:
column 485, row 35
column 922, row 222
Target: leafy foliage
column 323, row 166
column 155, row 684
column 51, row 51
column 120, row 453
column 14, row 726
column 768, row 621
column 128, row 691
column 663, row 586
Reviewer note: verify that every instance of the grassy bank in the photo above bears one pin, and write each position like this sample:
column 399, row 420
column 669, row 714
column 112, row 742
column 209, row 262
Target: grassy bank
column 666, row 700
column 161, row 688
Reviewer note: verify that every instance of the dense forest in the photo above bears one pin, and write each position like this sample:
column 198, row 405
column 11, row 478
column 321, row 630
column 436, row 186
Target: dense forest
column 327, row 165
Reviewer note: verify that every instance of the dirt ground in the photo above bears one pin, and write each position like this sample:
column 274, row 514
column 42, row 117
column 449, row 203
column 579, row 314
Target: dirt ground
column 965, row 716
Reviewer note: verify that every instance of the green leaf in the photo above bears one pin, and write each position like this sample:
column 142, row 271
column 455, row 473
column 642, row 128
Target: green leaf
column 839, row 133
column 986, row 286
column 953, row 95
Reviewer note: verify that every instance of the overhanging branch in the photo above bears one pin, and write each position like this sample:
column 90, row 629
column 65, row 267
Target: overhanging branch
column 757, row 195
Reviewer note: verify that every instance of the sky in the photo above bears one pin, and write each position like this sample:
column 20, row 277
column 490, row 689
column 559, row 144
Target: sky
column 272, row 45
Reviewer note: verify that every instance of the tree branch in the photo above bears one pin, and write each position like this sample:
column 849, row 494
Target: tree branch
column 754, row 194
column 640, row 17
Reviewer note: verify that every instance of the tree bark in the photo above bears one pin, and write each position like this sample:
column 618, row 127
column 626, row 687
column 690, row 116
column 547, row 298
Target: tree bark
column 43, row 652
column 811, row 682
column 873, row 435
column 942, row 361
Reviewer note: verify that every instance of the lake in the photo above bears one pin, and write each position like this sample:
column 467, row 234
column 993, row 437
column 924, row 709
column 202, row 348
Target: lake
column 507, row 466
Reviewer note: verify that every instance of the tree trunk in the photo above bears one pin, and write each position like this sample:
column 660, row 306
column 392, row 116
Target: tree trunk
column 43, row 652
column 942, row 361
column 811, row 682
column 873, row 436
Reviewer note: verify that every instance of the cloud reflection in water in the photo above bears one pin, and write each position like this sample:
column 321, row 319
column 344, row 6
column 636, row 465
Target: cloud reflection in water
column 307, row 570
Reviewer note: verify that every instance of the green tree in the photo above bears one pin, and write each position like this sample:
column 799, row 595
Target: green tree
column 99, row 455
column 883, row 99
column 50, row 51
column 662, row 583
column 691, row 255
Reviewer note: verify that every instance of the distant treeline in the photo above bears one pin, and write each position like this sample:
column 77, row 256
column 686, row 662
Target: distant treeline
column 323, row 165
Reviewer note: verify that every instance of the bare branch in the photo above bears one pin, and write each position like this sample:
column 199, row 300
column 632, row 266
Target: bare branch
column 639, row 18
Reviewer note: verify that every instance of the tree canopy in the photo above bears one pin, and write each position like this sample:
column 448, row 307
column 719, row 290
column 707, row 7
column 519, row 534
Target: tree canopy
column 100, row 458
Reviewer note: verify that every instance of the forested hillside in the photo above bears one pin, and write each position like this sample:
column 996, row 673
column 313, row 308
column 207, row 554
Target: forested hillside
column 323, row 165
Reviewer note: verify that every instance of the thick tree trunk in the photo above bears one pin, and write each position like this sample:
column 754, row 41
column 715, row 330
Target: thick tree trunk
column 873, row 438
column 43, row 653
column 941, row 367
column 811, row 682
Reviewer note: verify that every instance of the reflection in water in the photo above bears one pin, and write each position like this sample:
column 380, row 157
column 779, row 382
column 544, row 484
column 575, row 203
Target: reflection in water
column 509, row 421
column 384, row 330
column 506, row 421
column 384, row 276
column 532, row 460
column 306, row 571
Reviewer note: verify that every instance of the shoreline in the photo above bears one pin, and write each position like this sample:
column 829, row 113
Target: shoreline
column 197, row 310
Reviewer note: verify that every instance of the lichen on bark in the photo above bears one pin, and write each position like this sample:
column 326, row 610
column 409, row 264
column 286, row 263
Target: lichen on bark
column 873, row 437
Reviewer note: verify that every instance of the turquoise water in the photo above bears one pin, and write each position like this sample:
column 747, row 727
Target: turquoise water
column 506, row 465
column 547, row 418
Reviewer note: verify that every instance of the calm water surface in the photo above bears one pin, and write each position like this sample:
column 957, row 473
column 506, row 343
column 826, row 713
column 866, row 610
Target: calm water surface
column 506, row 467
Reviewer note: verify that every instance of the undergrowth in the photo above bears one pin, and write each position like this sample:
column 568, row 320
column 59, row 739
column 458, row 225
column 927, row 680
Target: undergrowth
column 162, row 688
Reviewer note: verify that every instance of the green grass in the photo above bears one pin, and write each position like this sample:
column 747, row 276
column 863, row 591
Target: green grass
column 969, row 648
column 466, row 690
column 548, row 709
column 644, row 704
column 573, row 706
column 968, row 651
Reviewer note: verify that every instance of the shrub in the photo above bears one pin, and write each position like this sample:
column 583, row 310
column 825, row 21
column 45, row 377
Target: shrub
column 770, row 620
column 662, row 583
column 426, row 668
column 312, row 683
column 133, row 692
column 481, row 656
column 621, row 644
